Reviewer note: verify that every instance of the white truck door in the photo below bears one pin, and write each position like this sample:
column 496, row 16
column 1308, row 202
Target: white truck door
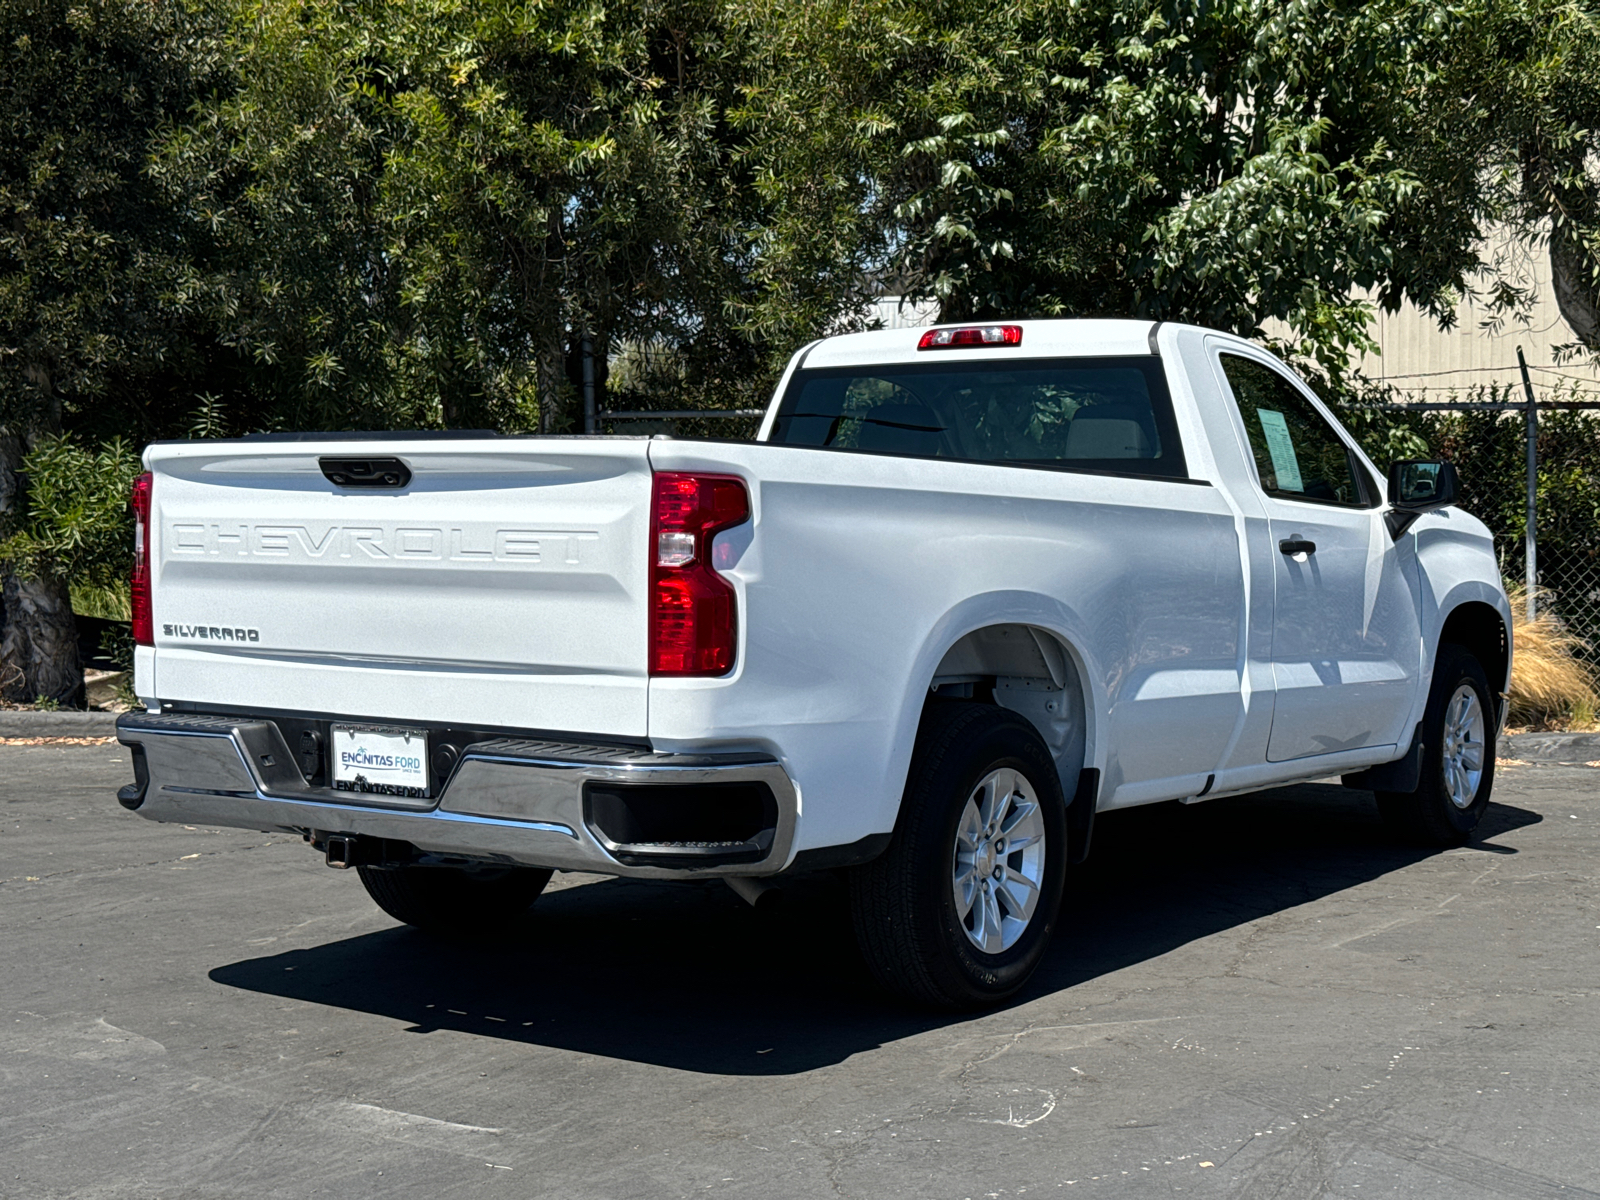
column 1346, row 640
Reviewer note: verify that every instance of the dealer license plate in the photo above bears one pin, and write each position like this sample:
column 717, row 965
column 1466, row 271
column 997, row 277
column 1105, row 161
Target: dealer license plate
column 379, row 759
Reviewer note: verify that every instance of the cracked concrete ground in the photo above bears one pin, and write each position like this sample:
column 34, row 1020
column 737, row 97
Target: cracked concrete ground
column 1257, row 997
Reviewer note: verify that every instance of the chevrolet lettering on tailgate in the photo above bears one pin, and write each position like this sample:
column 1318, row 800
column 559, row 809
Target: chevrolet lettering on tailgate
column 456, row 544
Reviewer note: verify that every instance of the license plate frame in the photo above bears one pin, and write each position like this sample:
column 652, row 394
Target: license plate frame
column 379, row 760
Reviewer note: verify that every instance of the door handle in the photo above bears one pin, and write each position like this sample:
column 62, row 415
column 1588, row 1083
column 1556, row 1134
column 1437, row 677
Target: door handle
column 1294, row 546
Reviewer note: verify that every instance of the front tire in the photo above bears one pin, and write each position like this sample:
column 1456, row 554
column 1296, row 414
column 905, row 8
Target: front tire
column 957, row 913
column 1458, row 730
column 455, row 900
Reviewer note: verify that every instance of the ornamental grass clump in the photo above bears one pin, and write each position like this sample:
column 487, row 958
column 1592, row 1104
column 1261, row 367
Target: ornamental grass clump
column 1551, row 687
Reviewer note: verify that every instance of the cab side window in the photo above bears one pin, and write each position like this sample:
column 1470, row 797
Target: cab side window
column 1298, row 455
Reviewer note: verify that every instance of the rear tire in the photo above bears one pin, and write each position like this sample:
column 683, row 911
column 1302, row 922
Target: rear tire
column 1458, row 730
column 957, row 913
column 455, row 900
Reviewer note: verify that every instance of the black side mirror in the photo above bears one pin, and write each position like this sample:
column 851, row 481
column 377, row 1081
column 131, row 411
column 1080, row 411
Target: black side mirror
column 1419, row 487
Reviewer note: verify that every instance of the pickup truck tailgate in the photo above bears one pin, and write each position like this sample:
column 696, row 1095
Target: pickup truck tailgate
column 505, row 585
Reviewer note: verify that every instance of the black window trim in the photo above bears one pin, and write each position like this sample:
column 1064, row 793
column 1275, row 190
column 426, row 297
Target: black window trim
column 1163, row 410
column 1370, row 496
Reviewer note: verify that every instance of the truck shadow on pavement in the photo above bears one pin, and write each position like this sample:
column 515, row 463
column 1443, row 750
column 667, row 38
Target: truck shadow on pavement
column 686, row 975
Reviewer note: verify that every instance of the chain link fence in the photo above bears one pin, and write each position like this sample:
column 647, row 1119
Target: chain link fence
column 1486, row 435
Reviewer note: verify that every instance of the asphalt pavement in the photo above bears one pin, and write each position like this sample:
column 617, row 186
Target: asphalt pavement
column 1256, row 997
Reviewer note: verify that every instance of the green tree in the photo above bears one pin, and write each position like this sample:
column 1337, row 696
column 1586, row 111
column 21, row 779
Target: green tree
column 1505, row 132
column 89, row 251
column 1224, row 163
column 411, row 213
column 1221, row 163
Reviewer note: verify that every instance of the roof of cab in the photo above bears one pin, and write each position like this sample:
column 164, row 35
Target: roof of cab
column 1071, row 338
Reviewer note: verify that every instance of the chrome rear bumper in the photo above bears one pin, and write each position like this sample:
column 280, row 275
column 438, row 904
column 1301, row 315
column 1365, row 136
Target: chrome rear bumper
column 507, row 800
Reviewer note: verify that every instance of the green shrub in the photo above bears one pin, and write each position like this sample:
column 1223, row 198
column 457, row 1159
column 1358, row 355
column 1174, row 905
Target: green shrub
column 75, row 523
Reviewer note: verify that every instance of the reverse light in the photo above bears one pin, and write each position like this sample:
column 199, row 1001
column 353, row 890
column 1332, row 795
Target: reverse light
column 674, row 548
column 971, row 337
column 144, row 626
column 693, row 615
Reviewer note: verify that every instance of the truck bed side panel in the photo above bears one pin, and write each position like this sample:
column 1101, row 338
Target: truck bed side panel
column 859, row 571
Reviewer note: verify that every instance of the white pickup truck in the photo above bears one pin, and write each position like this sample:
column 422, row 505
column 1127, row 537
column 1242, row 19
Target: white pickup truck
column 968, row 587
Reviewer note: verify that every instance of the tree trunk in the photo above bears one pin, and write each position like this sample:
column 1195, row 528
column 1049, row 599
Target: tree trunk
column 39, row 644
column 1558, row 185
column 549, row 371
column 38, row 637
column 1577, row 295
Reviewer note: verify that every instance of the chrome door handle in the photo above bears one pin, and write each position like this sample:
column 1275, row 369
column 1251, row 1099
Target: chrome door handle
column 1292, row 546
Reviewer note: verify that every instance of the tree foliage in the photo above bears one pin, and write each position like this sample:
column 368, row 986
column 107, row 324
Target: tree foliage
column 242, row 214
column 1505, row 132
column 90, row 245
column 1222, row 163
column 77, row 524
column 412, row 212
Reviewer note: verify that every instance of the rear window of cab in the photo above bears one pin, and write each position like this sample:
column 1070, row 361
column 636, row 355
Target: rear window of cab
column 1105, row 415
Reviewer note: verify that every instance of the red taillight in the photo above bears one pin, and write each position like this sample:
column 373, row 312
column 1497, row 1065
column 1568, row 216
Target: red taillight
column 693, row 618
column 144, row 626
column 972, row 337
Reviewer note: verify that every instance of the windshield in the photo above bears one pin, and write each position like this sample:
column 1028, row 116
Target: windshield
column 1092, row 414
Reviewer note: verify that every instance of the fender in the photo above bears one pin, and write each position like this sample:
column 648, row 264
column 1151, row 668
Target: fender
column 1469, row 592
column 1455, row 564
column 1004, row 608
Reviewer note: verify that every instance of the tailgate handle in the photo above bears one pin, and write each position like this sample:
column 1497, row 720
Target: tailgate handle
column 366, row 472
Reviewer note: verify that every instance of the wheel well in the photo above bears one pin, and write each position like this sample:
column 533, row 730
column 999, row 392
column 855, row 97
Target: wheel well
column 1028, row 670
column 972, row 665
column 1479, row 628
